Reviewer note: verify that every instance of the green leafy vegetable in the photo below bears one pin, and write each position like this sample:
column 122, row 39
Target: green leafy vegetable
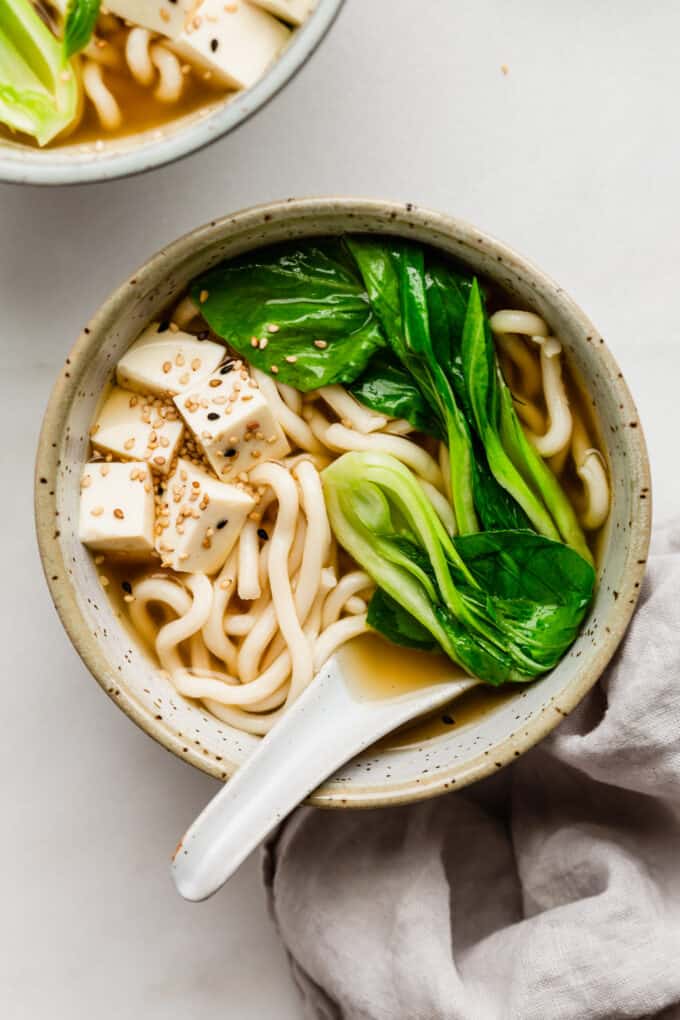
column 38, row 94
column 386, row 387
column 482, row 385
column 495, row 506
column 396, row 285
column 302, row 302
column 525, row 573
column 448, row 293
column 81, row 18
column 504, row 605
column 410, row 336
column 537, row 473
column 396, row 624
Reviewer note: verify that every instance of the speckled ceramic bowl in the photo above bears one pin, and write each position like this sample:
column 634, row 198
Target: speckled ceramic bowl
column 124, row 670
column 121, row 157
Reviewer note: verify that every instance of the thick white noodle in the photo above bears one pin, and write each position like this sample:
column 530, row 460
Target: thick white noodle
column 213, row 630
column 291, row 396
column 161, row 590
column 399, row 427
column 339, row 438
column 258, row 725
column 337, row 634
column 101, row 97
column 510, row 320
column 138, row 56
column 335, row 601
column 591, row 471
column 350, row 411
column 279, row 580
column 292, row 424
column 248, row 559
column 170, row 77
column 238, row 624
column 172, row 634
column 319, row 460
column 558, row 433
column 264, row 624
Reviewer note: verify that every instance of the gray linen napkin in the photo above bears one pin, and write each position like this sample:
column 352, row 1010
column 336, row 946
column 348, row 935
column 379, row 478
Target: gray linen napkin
column 551, row 892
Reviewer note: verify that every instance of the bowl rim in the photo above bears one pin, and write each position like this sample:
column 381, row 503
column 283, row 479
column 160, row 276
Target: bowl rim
column 62, row 590
column 34, row 166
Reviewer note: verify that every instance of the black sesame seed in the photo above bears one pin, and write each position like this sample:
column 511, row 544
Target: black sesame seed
column 164, row 326
column 127, row 587
column 213, row 416
column 203, row 335
column 261, row 533
column 226, row 368
column 213, row 44
column 231, row 452
column 449, row 720
column 221, row 524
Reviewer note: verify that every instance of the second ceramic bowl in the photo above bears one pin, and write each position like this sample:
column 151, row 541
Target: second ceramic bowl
column 135, row 153
column 124, row 669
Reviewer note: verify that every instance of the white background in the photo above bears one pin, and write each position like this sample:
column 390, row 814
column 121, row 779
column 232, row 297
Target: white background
column 572, row 158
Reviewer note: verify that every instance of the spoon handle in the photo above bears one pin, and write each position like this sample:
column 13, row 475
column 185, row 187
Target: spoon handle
column 321, row 731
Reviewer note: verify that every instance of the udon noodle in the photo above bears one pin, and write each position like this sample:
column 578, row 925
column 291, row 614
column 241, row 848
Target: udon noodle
column 248, row 640
column 135, row 51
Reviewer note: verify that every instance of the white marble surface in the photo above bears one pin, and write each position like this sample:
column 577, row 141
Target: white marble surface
column 572, row 157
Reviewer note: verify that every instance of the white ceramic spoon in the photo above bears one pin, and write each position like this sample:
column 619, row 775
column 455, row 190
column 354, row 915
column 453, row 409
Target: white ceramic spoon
column 330, row 723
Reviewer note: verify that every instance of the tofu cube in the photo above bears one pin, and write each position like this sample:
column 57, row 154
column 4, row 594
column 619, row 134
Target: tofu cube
column 117, row 509
column 204, row 517
column 232, row 421
column 164, row 363
column 131, row 426
column 164, row 16
column 236, row 45
column 295, row 12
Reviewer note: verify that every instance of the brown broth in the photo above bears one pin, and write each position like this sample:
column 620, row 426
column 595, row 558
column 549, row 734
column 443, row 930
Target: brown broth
column 376, row 669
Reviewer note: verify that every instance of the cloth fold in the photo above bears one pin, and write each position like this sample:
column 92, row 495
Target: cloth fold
column 549, row 892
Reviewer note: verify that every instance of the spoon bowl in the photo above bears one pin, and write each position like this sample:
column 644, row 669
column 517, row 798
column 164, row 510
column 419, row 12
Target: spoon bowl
column 329, row 724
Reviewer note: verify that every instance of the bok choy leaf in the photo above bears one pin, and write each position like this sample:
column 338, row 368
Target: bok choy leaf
column 409, row 334
column 483, row 397
column 395, row 281
column 301, row 309
column 39, row 94
column 81, row 18
column 386, row 387
column 504, row 605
